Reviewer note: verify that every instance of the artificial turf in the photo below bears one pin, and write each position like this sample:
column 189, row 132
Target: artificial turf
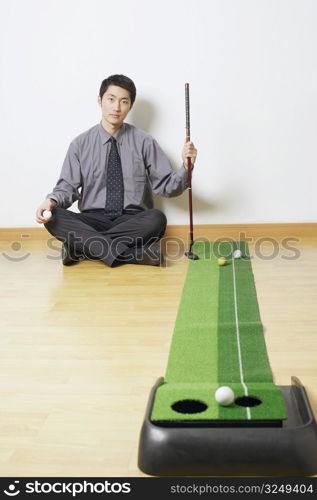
column 218, row 340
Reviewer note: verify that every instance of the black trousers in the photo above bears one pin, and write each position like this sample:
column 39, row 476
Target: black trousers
column 99, row 236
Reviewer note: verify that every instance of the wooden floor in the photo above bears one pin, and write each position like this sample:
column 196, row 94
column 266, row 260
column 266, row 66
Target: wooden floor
column 82, row 346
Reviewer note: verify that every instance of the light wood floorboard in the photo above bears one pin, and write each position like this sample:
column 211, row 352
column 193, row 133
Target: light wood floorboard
column 82, row 346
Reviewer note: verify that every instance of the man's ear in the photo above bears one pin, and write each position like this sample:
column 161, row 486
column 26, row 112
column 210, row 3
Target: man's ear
column 99, row 100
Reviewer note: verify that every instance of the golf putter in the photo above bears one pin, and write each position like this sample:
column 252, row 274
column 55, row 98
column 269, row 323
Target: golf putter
column 190, row 255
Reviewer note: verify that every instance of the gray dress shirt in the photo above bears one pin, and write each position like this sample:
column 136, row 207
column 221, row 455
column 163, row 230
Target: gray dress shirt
column 145, row 168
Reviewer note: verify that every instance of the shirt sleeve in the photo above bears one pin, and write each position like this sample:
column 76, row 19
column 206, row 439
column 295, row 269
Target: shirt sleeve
column 164, row 179
column 66, row 191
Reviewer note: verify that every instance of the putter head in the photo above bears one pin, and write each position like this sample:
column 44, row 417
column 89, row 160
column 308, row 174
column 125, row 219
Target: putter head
column 191, row 256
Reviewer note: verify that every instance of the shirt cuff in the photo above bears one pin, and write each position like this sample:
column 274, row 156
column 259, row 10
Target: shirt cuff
column 184, row 175
column 53, row 197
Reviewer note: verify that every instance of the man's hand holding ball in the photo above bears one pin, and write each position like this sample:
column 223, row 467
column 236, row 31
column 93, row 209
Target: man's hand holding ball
column 44, row 212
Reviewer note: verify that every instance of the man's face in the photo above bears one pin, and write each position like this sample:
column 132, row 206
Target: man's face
column 115, row 105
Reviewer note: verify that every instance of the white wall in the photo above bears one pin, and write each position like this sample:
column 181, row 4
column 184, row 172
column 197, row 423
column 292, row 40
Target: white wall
column 252, row 69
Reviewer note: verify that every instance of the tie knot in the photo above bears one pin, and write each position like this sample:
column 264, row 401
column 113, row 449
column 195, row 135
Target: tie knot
column 113, row 140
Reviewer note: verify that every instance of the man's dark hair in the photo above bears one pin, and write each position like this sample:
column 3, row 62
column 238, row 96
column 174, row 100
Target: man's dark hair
column 120, row 81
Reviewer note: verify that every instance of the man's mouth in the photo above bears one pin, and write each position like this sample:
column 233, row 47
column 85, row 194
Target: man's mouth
column 115, row 116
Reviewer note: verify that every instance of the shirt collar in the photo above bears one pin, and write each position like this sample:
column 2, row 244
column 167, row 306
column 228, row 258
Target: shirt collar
column 105, row 136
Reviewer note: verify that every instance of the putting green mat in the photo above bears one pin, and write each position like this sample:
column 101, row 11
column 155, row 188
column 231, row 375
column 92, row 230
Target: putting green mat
column 218, row 341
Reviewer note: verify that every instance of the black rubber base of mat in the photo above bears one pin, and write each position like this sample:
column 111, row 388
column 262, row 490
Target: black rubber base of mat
column 289, row 450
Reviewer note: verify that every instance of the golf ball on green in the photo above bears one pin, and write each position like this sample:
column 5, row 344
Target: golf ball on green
column 224, row 396
column 237, row 254
column 222, row 261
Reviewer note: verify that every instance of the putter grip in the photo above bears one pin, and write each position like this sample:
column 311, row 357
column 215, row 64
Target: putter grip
column 187, row 112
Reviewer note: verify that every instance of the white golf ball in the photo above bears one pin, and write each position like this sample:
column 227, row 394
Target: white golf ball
column 237, row 254
column 47, row 214
column 224, row 396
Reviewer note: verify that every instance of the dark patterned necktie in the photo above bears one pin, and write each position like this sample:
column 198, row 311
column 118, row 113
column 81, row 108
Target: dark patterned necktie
column 114, row 201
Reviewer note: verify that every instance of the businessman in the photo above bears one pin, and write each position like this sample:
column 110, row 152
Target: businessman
column 112, row 170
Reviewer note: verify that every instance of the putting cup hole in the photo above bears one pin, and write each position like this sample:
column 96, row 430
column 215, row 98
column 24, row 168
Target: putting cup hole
column 248, row 401
column 189, row 406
